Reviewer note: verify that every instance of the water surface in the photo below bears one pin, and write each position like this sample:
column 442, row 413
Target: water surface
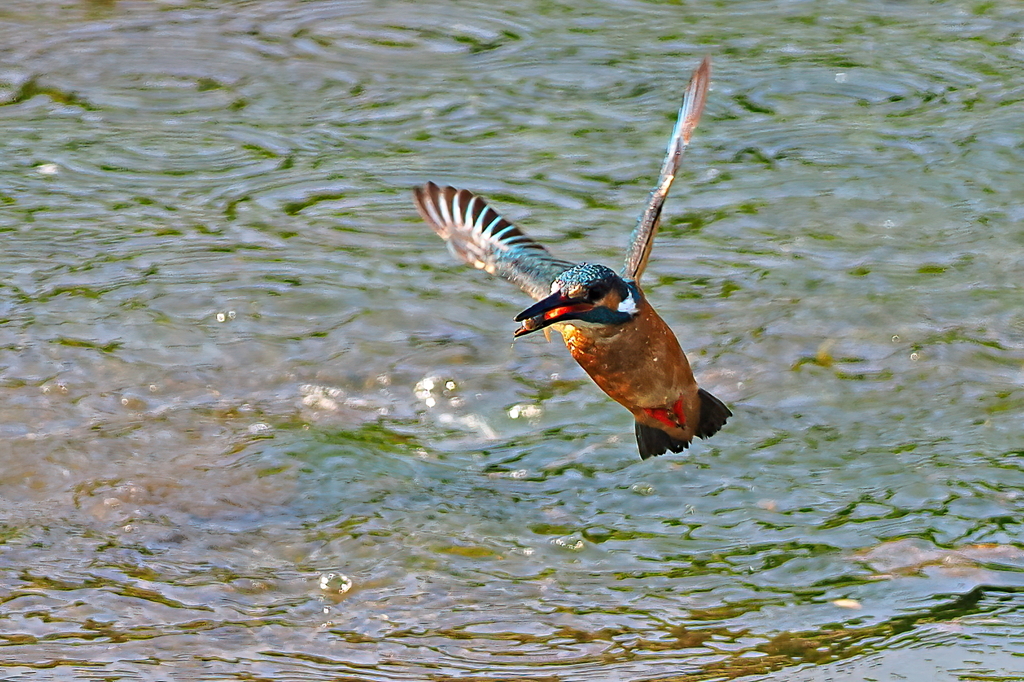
column 257, row 424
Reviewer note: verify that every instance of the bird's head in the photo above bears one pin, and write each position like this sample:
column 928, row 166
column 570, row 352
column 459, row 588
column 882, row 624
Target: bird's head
column 589, row 294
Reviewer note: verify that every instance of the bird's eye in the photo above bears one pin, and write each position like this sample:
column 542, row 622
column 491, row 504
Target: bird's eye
column 596, row 293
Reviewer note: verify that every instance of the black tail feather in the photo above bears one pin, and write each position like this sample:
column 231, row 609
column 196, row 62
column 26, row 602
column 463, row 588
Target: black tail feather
column 653, row 442
column 713, row 414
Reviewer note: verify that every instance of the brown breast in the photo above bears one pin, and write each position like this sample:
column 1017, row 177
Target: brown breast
column 639, row 364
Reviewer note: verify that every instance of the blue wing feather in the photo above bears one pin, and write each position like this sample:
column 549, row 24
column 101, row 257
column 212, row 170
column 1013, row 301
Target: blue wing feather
column 647, row 227
column 478, row 235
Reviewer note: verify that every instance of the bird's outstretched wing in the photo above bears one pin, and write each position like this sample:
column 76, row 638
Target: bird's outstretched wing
column 647, row 227
column 478, row 235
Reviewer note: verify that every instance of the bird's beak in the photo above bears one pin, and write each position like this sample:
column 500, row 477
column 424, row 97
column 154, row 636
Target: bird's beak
column 555, row 308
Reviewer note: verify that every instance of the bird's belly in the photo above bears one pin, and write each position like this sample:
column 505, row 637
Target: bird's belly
column 637, row 371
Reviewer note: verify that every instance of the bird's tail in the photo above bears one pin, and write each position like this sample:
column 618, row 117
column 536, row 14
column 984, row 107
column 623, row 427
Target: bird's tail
column 713, row 414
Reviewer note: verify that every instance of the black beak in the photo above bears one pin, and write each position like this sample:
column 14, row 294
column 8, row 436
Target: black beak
column 555, row 308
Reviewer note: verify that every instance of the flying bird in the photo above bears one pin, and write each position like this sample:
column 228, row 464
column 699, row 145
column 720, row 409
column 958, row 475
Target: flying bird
column 604, row 317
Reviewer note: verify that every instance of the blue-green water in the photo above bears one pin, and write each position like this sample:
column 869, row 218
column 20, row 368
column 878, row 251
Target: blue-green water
column 258, row 424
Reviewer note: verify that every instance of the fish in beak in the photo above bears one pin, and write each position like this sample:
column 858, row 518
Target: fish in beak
column 555, row 308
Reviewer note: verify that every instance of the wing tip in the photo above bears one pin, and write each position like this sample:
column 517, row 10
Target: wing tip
column 695, row 99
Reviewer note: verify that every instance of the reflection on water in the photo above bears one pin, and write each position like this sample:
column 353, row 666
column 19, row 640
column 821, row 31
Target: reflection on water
column 257, row 423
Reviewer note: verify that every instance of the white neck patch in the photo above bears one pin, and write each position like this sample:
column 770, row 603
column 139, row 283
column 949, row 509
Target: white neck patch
column 629, row 304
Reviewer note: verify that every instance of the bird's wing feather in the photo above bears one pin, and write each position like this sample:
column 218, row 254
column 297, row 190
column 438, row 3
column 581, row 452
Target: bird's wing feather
column 479, row 236
column 647, row 227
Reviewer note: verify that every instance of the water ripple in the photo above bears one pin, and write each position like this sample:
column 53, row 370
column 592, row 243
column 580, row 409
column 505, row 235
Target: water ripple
column 257, row 422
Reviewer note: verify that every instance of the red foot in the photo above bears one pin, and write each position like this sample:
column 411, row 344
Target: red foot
column 674, row 418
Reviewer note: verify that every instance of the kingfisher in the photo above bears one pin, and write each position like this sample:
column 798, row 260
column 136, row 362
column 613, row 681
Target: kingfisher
column 604, row 317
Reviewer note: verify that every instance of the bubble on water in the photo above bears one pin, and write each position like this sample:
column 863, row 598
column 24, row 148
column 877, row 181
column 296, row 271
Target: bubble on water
column 525, row 410
column 335, row 583
column 840, row 77
column 424, row 390
column 47, row 169
column 449, row 385
column 642, row 488
column 915, row 357
column 895, row 338
column 888, row 224
column 569, row 542
column 260, row 429
column 320, row 397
